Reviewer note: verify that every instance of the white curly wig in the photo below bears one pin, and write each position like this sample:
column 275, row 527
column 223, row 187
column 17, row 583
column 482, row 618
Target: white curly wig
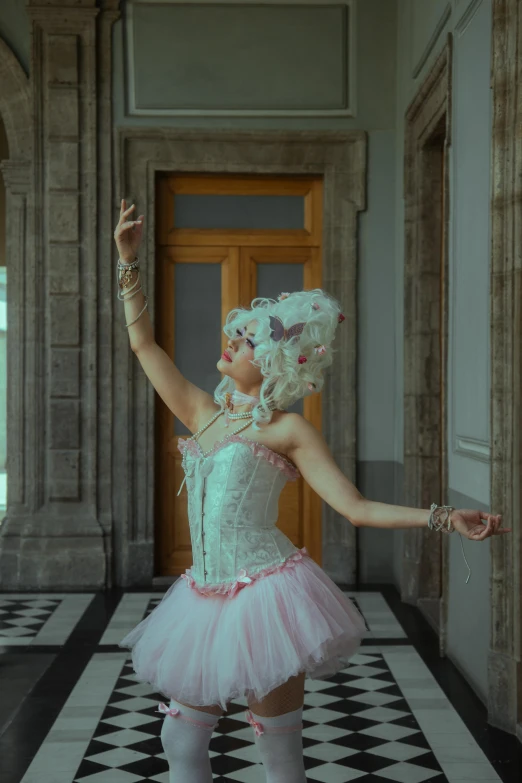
column 292, row 368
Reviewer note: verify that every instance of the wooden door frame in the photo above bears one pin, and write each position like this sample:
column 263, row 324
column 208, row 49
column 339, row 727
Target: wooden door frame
column 340, row 159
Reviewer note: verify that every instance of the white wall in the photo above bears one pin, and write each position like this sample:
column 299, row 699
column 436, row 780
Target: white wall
column 376, row 355
column 421, row 35
column 469, row 349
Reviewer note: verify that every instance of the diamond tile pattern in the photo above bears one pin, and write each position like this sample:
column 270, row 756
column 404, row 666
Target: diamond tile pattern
column 347, row 735
column 24, row 617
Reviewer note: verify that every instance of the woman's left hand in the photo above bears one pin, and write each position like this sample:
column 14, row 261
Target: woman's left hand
column 468, row 522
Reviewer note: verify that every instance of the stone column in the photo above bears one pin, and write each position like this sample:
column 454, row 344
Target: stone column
column 504, row 665
column 56, row 532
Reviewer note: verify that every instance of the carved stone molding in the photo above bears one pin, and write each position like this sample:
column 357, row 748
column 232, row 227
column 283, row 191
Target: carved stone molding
column 428, row 120
column 504, row 666
column 335, row 96
column 341, row 159
column 17, row 176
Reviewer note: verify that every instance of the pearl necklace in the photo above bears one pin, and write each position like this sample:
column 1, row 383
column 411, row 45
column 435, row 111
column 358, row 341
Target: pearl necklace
column 237, row 415
column 238, row 398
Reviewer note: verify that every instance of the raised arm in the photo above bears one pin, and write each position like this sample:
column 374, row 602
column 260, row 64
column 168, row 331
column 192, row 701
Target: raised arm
column 186, row 401
column 127, row 235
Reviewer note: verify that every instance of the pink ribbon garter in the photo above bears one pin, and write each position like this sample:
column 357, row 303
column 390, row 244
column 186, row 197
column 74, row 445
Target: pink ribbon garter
column 175, row 713
column 260, row 729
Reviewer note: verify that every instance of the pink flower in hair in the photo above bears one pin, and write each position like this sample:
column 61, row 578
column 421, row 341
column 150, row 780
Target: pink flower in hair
column 302, row 359
column 341, row 318
column 285, row 295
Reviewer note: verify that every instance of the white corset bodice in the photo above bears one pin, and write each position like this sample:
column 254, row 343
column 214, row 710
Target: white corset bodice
column 233, row 496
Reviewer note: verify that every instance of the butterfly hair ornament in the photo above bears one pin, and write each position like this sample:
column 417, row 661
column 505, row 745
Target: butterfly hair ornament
column 278, row 331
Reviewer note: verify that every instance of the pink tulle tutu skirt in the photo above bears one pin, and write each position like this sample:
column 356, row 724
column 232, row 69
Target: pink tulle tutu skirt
column 209, row 649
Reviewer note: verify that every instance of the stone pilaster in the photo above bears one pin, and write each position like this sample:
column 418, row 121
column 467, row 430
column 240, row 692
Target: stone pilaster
column 53, row 537
column 504, row 666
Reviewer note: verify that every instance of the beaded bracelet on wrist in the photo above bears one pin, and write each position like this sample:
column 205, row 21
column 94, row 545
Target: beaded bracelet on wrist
column 123, row 271
column 128, row 265
column 437, row 524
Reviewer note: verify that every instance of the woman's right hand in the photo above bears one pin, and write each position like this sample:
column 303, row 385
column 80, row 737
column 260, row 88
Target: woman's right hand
column 128, row 234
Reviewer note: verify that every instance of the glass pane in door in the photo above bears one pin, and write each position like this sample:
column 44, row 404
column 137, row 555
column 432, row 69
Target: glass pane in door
column 195, row 211
column 197, row 327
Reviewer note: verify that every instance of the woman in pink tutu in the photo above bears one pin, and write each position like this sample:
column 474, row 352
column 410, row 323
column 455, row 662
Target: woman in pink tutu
column 254, row 616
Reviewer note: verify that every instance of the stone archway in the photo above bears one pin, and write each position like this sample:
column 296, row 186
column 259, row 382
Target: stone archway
column 15, row 105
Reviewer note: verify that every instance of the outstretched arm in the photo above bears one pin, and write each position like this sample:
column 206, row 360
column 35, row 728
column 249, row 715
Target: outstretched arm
column 309, row 451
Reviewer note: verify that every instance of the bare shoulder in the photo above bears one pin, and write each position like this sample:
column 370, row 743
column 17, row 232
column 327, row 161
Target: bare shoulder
column 293, row 429
column 283, row 432
column 301, row 436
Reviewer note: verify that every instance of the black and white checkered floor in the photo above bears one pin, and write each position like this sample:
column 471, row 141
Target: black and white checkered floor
column 85, row 719
column 25, row 617
column 356, row 725
column 45, row 618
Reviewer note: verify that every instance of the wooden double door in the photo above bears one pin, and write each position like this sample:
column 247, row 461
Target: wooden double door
column 221, row 241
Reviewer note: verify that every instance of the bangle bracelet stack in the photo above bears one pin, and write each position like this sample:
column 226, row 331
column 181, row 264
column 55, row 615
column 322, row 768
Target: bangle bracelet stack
column 124, row 278
column 435, row 521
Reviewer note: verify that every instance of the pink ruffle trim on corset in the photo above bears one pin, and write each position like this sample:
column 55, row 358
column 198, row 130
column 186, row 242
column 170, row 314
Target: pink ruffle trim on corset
column 258, row 449
column 231, row 588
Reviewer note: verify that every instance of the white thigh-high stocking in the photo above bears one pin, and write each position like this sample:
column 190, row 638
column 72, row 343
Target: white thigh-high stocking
column 185, row 736
column 280, row 743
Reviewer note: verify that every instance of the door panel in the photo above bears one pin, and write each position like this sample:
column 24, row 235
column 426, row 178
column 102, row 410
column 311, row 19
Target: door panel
column 229, row 212
column 277, row 193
